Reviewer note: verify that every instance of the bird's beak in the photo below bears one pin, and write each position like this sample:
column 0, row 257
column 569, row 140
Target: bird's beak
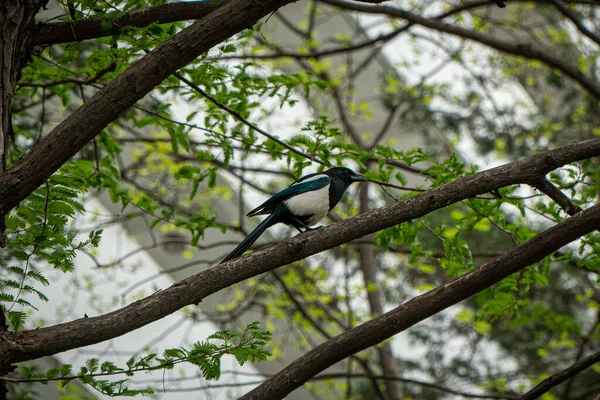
column 358, row 178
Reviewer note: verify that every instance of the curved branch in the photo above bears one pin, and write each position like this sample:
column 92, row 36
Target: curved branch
column 419, row 308
column 546, row 187
column 27, row 345
column 589, row 83
column 429, row 385
column 91, row 28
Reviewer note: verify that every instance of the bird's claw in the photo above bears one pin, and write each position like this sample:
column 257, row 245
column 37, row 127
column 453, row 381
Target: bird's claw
column 308, row 228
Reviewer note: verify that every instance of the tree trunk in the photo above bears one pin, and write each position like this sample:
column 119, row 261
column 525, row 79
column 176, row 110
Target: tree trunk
column 387, row 361
column 17, row 21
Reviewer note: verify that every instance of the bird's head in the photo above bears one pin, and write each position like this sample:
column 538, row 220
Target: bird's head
column 346, row 175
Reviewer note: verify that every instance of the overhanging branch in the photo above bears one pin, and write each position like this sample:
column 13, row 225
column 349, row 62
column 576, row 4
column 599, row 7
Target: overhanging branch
column 27, row 345
column 410, row 313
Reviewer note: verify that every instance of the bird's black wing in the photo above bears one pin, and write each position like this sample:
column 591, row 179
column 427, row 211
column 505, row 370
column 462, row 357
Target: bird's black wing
column 300, row 186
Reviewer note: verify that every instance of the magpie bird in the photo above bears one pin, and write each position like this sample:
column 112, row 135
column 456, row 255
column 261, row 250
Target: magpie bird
column 304, row 203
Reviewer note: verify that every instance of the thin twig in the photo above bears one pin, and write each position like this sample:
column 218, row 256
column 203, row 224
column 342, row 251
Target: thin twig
column 243, row 120
column 546, row 187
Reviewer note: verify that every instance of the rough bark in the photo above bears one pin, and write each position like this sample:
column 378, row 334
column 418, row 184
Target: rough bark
column 387, row 361
column 16, row 23
column 424, row 306
column 556, row 379
column 17, row 20
column 28, row 345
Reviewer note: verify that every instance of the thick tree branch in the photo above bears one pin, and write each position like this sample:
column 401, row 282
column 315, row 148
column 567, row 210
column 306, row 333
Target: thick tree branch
column 589, row 83
column 76, row 31
column 547, row 384
column 17, row 18
column 419, row 308
column 85, row 123
column 27, row 345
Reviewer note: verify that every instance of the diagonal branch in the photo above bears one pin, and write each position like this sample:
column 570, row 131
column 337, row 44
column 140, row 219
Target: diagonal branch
column 419, row 308
column 79, row 128
column 91, row 28
column 363, row 363
column 567, row 12
column 589, row 83
column 27, row 345
column 547, row 384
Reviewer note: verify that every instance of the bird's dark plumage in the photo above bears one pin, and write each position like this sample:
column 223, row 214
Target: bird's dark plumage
column 304, row 203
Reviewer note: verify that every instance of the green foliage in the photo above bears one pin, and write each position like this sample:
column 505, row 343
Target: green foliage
column 246, row 346
column 173, row 165
column 39, row 232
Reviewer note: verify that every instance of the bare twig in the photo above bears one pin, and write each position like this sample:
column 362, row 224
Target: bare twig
column 567, row 12
column 351, row 376
column 545, row 186
column 363, row 363
column 243, row 120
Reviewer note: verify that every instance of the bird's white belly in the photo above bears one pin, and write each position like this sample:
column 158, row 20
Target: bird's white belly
column 314, row 203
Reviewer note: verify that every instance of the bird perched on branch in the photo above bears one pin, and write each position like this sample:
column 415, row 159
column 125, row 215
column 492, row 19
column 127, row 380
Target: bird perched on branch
column 303, row 204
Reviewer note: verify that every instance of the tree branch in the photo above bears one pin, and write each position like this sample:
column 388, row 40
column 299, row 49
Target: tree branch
column 419, row 308
column 567, row 12
column 363, row 363
column 546, row 187
column 321, row 377
column 87, row 121
column 561, row 376
column 17, row 19
column 91, row 28
column 589, row 83
column 27, row 345
column 243, row 120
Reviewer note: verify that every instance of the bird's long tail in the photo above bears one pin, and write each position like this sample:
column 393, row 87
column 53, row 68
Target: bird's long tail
column 251, row 238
